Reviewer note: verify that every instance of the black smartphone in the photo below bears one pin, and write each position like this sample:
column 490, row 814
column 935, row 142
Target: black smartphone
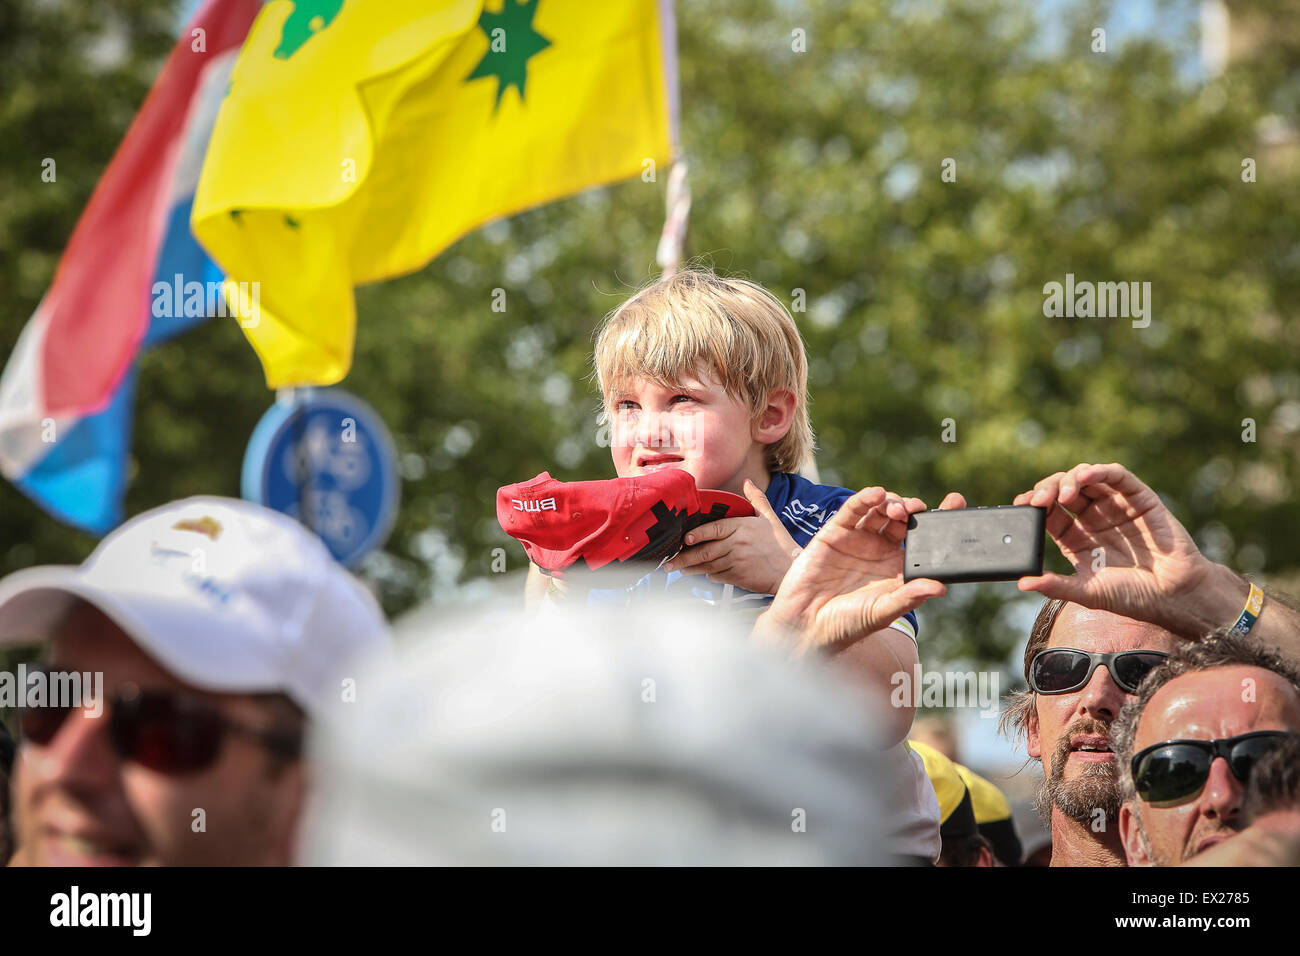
column 975, row 544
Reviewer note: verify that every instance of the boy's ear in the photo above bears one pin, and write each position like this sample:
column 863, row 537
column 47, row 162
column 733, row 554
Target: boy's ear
column 774, row 420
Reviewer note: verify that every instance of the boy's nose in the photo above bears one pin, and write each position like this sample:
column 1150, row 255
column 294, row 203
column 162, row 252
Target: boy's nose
column 654, row 431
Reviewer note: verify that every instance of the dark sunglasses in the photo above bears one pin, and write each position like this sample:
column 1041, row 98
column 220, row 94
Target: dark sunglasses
column 1059, row 670
column 1174, row 772
column 166, row 731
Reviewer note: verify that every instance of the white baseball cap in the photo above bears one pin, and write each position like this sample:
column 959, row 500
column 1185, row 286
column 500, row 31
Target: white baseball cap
column 228, row 595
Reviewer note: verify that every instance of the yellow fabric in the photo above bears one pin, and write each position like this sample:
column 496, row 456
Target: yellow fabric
column 360, row 138
column 947, row 783
column 988, row 801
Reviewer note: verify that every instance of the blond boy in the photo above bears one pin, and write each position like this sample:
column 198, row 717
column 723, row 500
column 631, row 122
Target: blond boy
column 709, row 375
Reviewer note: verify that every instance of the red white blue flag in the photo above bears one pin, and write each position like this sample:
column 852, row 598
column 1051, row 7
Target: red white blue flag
column 125, row 283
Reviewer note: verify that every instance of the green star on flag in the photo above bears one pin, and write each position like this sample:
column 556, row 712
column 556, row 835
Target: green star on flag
column 512, row 31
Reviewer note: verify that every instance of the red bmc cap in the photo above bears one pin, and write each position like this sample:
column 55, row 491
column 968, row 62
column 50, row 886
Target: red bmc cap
column 598, row 523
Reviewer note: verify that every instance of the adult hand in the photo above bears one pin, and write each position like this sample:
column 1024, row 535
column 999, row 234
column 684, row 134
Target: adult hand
column 848, row 582
column 1131, row 556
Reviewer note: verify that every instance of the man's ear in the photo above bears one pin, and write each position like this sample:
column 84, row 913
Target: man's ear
column 777, row 416
column 1032, row 744
column 1130, row 834
column 286, row 812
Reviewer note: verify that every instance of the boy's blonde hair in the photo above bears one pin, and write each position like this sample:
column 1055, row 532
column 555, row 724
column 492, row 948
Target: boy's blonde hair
column 694, row 320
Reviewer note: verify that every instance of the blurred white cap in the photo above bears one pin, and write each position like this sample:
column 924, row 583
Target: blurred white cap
column 227, row 595
column 636, row 736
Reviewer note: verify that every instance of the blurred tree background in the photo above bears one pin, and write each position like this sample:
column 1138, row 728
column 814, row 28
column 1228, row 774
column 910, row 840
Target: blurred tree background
column 818, row 171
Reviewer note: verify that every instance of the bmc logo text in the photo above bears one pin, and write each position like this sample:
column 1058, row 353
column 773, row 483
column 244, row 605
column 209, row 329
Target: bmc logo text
column 546, row 504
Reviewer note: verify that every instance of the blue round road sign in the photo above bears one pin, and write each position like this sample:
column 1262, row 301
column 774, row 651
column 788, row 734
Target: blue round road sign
column 324, row 457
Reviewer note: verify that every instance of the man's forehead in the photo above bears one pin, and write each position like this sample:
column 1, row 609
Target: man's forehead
column 84, row 625
column 1104, row 632
column 1220, row 702
column 87, row 639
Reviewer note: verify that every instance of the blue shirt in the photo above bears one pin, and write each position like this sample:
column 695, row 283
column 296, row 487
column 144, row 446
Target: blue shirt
column 803, row 508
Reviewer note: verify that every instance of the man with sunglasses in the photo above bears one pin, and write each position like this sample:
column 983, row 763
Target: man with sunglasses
column 1139, row 584
column 1082, row 666
column 219, row 628
column 1189, row 740
column 1272, row 813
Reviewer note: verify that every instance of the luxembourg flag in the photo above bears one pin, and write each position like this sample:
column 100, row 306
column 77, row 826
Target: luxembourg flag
column 67, row 392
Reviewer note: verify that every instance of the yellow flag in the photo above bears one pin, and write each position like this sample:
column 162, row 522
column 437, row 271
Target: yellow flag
column 360, row 138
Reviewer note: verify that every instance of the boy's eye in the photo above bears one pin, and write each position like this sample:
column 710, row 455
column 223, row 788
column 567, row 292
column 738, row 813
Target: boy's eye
column 626, row 404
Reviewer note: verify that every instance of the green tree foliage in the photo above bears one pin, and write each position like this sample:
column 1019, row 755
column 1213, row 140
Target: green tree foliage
column 819, row 171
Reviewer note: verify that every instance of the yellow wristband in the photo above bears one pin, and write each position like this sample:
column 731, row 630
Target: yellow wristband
column 1250, row 614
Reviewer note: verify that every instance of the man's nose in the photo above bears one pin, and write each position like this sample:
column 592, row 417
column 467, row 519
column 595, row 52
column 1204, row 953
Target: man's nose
column 81, row 754
column 1221, row 799
column 1101, row 698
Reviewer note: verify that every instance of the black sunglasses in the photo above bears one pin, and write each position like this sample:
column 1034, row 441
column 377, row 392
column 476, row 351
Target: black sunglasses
column 1175, row 771
column 166, row 731
column 1059, row 670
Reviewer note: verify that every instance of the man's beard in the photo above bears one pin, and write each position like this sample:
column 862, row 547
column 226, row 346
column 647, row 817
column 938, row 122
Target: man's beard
column 1096, row 788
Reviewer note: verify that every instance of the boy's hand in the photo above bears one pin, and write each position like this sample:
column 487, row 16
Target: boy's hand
column 751, row 553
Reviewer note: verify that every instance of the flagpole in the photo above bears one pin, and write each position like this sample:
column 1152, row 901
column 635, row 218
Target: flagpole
column 296, row 398
column 678, row 208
